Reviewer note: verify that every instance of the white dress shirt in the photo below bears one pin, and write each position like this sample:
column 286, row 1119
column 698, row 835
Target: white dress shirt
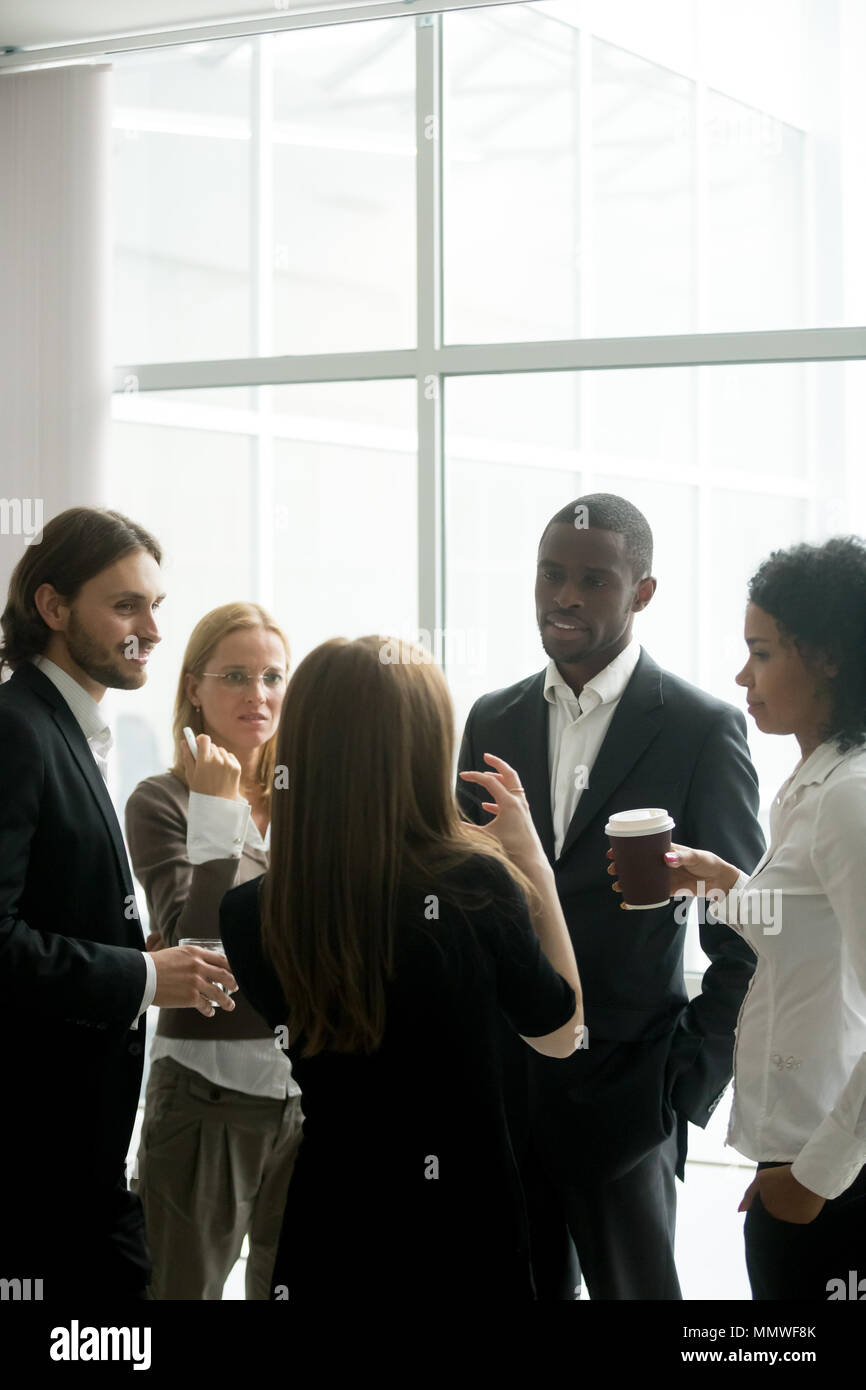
column 217, row 828
column 576, row 726
column 800, row 1051
column 90, row 720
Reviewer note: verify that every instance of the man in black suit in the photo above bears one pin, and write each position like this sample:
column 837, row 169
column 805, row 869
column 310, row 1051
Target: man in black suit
column 75, row 976
column 600, row 1136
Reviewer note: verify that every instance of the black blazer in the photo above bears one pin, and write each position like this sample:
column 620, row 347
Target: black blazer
column 72, row 978
column 651, row 1053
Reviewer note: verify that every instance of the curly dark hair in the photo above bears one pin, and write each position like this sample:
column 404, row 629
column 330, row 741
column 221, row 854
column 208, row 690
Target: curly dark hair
column 817, row 596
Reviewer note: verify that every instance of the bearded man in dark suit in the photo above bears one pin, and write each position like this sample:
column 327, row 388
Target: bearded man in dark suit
column 75, row 978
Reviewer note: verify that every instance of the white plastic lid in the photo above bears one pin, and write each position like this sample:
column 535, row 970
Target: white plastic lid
column 650, row 820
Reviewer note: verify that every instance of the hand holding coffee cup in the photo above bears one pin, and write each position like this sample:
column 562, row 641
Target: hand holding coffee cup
column 691, row 871
column 639, row 840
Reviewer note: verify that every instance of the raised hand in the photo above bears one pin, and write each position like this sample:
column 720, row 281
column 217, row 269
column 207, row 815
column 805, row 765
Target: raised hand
column 512, row 823
column 214, row 772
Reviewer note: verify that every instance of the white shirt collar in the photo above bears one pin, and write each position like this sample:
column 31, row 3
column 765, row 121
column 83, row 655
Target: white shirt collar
column 88, row 715
column 817, row 767
column 605, row 687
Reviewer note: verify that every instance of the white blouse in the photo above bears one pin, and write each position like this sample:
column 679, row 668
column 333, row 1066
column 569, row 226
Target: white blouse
column 800, row 1051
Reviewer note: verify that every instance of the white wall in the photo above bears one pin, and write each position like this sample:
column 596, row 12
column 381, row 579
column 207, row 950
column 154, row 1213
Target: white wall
column 55, row 377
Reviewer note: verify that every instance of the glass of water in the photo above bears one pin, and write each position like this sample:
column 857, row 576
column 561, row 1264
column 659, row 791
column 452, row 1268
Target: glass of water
column 207, row 944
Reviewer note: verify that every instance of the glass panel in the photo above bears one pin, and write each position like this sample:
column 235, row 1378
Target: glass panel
column 617, row 169
column 664, row 32
column 278, row 500
column 191, row 489
column 641, row 272
column 345, row 509
column 756, row 219
column 181, row 203
column 197, row 80
column 344, row 188
column 511, row 239
column 756, row 418
column 338, row 147
column 658, row 430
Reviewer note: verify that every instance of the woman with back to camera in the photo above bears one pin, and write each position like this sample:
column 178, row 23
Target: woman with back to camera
column 800, row 1054
column 222, row 1120
column 399, row 933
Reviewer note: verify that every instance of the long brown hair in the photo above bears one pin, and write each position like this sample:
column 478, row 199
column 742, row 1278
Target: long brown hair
column 204, row 639
column 366, row 745
column 76, row 546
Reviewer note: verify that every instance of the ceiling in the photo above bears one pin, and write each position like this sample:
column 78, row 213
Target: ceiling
column 26, row 23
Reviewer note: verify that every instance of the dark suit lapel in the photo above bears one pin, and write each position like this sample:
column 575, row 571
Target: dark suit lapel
column 635, row 724
column 531, row 738
column 80, row 750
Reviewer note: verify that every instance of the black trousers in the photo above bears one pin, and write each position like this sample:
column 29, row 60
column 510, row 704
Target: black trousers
column 790, row 1261
column 619, row 1235
column 81, row 1243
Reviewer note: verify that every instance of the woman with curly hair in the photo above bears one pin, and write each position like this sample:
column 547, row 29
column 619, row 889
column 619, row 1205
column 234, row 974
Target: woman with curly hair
column 800, row 1056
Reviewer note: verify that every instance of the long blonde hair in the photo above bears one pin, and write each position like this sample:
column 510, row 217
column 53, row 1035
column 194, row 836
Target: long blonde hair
column 365, row 809
column 204, row 639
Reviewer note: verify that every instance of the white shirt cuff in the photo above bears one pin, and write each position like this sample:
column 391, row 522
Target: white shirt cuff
column 216, row 828
column 149, row 988
column 726, row 909
column 831, row 1159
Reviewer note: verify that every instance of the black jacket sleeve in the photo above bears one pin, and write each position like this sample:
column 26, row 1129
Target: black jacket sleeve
column 532, row 995
column 720, row 816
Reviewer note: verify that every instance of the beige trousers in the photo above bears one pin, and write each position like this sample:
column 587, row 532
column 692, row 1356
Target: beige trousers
column 213, row 1166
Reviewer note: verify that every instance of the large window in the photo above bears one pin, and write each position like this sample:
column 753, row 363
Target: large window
column 390, row 293
column 273, row 494
column 616, row 168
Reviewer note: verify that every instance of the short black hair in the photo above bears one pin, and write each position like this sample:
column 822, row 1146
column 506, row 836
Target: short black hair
column 817, row 596
column 607, row 512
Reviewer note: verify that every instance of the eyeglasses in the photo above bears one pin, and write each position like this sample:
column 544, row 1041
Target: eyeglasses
column 242, row 680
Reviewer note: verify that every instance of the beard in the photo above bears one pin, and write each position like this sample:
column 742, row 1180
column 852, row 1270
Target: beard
column 98, row 662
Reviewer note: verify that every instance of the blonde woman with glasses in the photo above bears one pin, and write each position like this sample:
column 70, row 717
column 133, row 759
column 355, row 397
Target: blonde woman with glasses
column 222, row 1121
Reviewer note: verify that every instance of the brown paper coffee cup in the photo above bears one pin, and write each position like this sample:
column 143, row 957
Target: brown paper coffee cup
column 639, row 840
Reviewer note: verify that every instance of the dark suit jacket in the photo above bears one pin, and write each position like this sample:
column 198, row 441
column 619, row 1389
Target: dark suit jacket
column 71, row 984
column 653, row 1058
